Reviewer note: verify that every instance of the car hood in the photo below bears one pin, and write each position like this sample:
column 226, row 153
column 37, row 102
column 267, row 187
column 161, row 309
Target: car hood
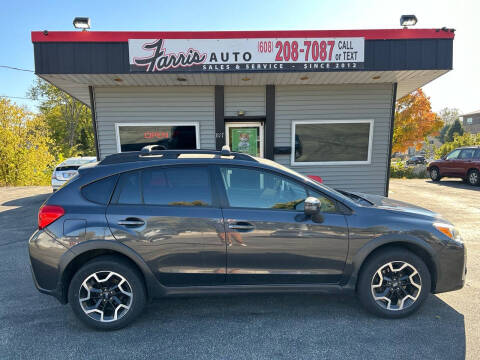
column 385, row 203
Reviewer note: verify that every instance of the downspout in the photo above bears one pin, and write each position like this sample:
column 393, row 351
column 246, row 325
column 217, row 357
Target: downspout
column 392, row 122
column 94, row 119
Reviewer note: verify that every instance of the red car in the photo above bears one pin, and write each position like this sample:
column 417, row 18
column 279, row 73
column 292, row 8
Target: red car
column 461, row 163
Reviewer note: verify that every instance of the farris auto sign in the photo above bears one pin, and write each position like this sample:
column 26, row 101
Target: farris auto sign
column 243, row 55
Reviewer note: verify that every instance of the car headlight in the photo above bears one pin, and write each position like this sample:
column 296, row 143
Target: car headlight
column 448, row 230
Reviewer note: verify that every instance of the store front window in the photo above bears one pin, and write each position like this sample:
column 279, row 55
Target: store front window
column 332, row 142
column 133, row 137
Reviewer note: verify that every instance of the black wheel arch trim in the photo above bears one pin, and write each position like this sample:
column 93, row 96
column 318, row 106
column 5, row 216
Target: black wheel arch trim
column 153, row 286
column 356, row 261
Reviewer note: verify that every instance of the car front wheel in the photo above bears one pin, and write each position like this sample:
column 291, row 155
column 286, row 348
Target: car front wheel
column 473, row 177
column 394, row 283
column 434, row 174
column 107, row 293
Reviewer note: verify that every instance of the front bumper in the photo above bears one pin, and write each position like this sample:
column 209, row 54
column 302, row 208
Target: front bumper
column 451, row 267
column 45, row 255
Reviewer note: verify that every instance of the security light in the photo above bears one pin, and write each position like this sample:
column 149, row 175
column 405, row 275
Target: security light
column 81, row 23
column 408, row 20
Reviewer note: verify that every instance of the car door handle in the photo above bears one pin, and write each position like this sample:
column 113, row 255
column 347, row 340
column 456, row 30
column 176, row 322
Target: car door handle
column 131, row 222
column 243, row 226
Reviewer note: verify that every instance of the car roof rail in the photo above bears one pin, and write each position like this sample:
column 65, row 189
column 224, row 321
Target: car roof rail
column 149, row 148
column 149, row 152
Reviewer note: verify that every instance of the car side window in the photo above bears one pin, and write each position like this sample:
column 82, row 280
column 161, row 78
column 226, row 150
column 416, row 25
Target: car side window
column 99, row 191
column 453, row 155
column 128, row 189
column 466, row 154
column 252, row 188
column 476, row 156
column 177, row 186
column 327, row 205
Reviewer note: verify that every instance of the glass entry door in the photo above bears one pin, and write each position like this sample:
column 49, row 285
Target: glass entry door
column 245, row 138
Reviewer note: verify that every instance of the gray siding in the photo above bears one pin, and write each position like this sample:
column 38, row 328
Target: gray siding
column 474, row 127
column 250, row 99
column 339, row 102
column 153, row 105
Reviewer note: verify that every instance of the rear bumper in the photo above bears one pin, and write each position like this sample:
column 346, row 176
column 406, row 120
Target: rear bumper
column 57, row 184
column 45, row 254
column 451, row 268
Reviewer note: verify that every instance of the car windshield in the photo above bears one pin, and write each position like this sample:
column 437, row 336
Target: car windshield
column 303, row 177
column 78, row 161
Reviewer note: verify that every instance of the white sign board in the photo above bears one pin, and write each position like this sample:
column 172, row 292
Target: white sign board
column 243, row 55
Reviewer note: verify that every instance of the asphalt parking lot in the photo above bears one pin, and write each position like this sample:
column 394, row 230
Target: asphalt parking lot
column 33, row 325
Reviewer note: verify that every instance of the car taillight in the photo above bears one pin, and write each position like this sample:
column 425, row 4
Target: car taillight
column 48, row 214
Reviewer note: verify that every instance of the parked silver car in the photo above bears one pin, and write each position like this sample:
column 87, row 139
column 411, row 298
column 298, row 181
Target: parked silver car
column 68, row 169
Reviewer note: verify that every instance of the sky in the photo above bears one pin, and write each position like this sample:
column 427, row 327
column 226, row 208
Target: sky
column 460, row 88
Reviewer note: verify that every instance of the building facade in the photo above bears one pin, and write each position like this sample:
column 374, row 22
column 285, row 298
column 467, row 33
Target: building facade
column 319, row 102
column 471, row 122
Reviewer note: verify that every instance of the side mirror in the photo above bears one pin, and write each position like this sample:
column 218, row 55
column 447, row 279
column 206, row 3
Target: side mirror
column 311, row 206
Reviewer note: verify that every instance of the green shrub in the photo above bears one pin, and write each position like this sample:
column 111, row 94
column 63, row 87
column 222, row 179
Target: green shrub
column 399, row 170
column 466, row 139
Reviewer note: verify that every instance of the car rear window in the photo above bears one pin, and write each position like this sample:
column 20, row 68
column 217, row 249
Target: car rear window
column 67, row 168
column 99, row 191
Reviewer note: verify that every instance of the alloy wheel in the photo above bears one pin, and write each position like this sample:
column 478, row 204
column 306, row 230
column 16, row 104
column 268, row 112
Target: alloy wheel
column 105, row 296
column 473, row 178
column 434, row 174
column 396, row 285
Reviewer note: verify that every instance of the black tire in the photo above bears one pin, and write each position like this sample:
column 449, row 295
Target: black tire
column 368, row 274
column 435, row 174
column 473, row 177
column 134, row 285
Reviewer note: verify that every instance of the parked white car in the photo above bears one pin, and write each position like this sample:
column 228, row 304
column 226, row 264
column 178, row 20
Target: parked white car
column 68, row 169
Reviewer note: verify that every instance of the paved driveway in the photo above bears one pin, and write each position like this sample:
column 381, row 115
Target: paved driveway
column 242, row 327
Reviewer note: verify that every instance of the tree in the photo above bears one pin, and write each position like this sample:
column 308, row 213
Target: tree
column 466, row 139
column 68, row 119
column 455, row 128
column 449, row 115
column 414, row 121
column 25, row 157
column 443, row 132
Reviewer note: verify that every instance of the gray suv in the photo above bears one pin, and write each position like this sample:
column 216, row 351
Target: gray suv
column 141, row 225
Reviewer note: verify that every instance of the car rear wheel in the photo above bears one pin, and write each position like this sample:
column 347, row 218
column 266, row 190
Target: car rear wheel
column 473, row 177
column 435, row 174
column 394, row 283
column 107, row 293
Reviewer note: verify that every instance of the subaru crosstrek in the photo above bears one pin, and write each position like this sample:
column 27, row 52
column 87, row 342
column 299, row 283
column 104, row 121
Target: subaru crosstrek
column 141, row 225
